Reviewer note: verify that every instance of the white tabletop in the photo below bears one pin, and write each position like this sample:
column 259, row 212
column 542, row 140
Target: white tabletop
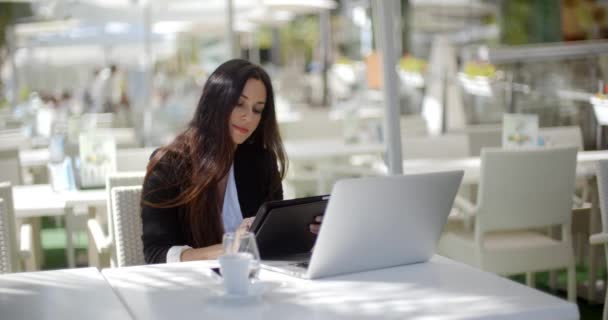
column 296, row 150
column 439, row 289
column 309, row 150
column 40, row 200
column 37, row 201
column 585, row 166
column 59, row 294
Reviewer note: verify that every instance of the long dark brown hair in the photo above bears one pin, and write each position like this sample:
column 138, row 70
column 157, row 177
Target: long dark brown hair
column 201, row 156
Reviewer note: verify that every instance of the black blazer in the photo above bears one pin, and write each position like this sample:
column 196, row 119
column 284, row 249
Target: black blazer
column 167, row 227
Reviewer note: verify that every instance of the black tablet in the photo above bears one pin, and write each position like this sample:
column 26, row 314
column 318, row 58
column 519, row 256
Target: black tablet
column 281, row 227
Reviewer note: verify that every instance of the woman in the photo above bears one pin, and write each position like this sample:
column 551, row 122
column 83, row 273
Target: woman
column 218, row 171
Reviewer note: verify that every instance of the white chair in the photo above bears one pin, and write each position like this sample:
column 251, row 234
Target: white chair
column 103, row 241
column 413, row 125
column 570, row 136
column 483, row 136
column 13, row 252
column 13, row 138
column 520, row 191
column 313, row 124
column 126, row 218
column 7, row 242
column 124, row 137
column 133, row 159
column 602, row 238
column 10, row 166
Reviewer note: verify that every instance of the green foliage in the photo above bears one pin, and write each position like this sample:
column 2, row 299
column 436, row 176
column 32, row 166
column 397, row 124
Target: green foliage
column 265, row 38
column 515, row 17
column 300, row 35
column 525, row 21
column 9, row 13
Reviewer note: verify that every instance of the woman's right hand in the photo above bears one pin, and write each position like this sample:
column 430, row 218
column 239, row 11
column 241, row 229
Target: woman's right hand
column 245, row 225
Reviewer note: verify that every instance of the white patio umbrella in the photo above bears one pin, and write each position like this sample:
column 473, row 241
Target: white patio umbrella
column 391, row 94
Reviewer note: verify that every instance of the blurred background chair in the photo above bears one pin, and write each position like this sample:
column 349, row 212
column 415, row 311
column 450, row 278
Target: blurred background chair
column 569, row 136
column 602, row 238
column 13, row 138
column 126, row 218
column 103, row 252
column 482, row 136
column 517, row 199
column 16, row 251
column 133, row 159
column 442, row 146
column 10, row 166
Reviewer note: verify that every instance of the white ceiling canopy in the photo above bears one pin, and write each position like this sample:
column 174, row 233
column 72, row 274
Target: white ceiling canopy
column 265, row 16
column 456, row 8
column 301, row 6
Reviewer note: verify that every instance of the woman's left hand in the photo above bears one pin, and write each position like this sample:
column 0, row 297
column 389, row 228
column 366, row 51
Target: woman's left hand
column 245, row 225
column 316, row 225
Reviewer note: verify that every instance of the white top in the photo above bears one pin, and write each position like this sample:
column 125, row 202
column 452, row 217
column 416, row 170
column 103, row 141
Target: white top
column 438, row 289
column 59, row 294
column 231, row 215
column 231, row 212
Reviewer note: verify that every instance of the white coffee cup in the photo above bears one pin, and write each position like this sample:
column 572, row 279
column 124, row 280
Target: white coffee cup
column 235, row 271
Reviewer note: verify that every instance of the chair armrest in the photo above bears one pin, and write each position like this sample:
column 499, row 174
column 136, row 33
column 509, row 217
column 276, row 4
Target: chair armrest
column 467, row 207
column 598, row 238
column 468, row 210
column 579, row 203
column 25, row 241
column 100, row 240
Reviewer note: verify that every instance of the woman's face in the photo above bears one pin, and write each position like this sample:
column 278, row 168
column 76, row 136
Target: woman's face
column 246, row 115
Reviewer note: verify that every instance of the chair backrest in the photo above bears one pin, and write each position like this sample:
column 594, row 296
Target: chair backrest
column 312, row 125
column 443, row 146
column 127, row 225
column 121, row 179
column 602, row 184
column 10, row 166
column 133, row 159
column 483, row 136
column 13, row 139
column 123, row 137
column 528, row 188
column 562, row 136
column 5, row 241
column 413, row 125
column 9, row 255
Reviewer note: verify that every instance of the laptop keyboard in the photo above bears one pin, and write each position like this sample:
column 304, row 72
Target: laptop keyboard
column 303, row 264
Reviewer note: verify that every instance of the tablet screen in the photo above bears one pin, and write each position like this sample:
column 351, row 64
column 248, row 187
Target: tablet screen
column 283, row 229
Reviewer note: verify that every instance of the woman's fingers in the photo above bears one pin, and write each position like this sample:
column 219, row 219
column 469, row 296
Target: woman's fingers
column 316, row 225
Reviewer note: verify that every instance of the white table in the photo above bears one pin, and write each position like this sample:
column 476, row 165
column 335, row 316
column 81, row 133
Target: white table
column 40, row 200
column 585, row 165
column 439, row 289
column 297, row 150
column 59, row 294
column 34, row 201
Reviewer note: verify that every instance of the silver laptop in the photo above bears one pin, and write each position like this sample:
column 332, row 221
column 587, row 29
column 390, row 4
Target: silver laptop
column 373, row 223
